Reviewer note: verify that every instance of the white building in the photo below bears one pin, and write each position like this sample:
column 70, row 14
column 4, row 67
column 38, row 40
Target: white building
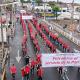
column 45, row 7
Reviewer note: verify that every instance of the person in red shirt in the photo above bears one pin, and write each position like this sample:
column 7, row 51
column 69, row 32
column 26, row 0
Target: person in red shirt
column 13, row 71
column 23, row 73
column 38, row 58
column 40, row 73
column 27, row 71
column 32, row 66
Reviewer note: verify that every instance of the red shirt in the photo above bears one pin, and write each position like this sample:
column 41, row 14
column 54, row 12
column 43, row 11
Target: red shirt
column 27, row 70
column 13, row 69
column 23, row 72
column 40, row 72
column 33, row 63
column 38, row 58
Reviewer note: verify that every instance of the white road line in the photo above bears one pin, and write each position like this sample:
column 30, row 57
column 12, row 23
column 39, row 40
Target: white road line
column 77, row 51
column 58, row 51
column 66, row 77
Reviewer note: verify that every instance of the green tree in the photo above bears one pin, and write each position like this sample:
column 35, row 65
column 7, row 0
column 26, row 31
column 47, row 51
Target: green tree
column 38, row 2
column 55, row 9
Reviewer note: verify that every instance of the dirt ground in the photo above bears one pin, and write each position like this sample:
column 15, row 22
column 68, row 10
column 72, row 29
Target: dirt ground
column 71, row 26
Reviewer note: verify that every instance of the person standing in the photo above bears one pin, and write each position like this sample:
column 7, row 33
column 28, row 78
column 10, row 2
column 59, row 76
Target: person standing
column 40, row 73
column 60, row 70
column 32, row 66
column 8, row 33
column 13, row 71
column 23, row 73
column 27, row 71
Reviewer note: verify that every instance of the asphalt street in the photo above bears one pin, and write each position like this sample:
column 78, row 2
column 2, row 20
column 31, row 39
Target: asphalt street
column 15, row 45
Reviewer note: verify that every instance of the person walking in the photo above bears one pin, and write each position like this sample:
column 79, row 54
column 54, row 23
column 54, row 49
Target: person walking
column 13, row 71
column 23, row 73
column 8, row 34
column 40, row 73
column 60, row 70
column 32, row 66
column 27, row 71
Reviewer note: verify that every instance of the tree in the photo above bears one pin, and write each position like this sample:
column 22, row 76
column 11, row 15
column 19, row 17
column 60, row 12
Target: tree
column 55, row 9
column 38, row 2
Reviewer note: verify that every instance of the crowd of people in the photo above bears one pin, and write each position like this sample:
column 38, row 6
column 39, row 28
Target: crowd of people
column 33, row 67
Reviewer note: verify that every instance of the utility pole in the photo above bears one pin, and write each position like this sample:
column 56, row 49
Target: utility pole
column 45, row 9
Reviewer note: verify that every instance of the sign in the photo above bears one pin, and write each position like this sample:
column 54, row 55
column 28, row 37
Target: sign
column 60, row 59
column 27, row 17
column 22, row 11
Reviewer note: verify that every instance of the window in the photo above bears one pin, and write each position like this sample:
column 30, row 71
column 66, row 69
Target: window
column 41, row 10
column 49, row 10
column 64, row 10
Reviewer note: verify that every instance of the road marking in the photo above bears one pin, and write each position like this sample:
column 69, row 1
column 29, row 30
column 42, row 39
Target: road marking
column 58, row 51
column 77, row 51
column 65, row 77
column 18, row 57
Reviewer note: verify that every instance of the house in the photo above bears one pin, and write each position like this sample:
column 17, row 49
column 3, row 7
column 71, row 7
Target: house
column 42, row 8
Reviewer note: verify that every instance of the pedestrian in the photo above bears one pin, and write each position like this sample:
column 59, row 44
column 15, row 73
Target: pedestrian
column 40, row 73
column 8, row 33
column 27, row 71
column 24, row 49
column 60, row 70
column 32, row 66
column 12, row 34
column 78, row 69
column 38, row 58
column 13, row 71
column 17, row 19
column 27, row 59
column 23, row 73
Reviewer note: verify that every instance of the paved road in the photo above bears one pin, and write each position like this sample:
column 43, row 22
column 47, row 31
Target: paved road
column 15, row 46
